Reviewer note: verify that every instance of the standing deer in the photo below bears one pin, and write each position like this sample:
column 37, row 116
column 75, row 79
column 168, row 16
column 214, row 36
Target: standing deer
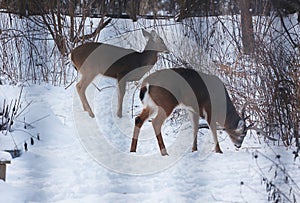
column 204, row 95
column 93, row 58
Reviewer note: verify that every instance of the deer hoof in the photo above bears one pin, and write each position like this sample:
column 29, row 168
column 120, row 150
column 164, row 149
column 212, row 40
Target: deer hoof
column 119, row 114
column 194, row 149
column 218, row 149
column 164, row 152
column 91, row 114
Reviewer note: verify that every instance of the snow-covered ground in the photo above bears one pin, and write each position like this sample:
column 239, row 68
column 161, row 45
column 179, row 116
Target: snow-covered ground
column 79, row 159
column 60, row 168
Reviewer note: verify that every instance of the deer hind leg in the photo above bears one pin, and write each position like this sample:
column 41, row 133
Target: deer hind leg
column 213, row 128
column 81, row 88
column 139, row 121
column 121, row 93
column 195, row 119
column 157, row 123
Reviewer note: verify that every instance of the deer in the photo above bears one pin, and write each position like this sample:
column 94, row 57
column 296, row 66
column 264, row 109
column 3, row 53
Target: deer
column 203, row 95
column 125, row 65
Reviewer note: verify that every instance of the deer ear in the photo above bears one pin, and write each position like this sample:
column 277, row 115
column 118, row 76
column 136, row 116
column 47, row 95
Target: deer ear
column 250, row 126
column 146, row 34
column 153, row 33
column 240, row 126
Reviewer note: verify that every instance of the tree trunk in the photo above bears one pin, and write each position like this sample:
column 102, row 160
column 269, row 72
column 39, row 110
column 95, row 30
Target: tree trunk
column 72, row 19
column 247, row 27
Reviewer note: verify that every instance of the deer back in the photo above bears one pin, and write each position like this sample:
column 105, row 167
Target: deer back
column 205, row 94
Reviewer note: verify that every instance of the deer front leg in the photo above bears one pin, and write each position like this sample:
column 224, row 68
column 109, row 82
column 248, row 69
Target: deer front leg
column 157, row 123
column 213, row 128
column 81, row 88
column 139, row 121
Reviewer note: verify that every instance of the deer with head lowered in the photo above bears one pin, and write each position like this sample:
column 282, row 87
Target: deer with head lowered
column 91, row 59
column 203, row 95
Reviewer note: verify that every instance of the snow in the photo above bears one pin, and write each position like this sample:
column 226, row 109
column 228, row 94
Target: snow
column 5, row 156
column 60, row 168
column 79, row 159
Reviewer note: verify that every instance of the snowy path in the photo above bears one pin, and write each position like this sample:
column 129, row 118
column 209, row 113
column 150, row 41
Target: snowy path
column 58, row 169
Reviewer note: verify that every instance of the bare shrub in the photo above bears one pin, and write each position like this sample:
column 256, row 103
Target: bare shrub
column 267, row 80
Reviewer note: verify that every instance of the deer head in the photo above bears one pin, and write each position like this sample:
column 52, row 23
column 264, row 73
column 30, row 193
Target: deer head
column 237, row 135
column 154, row 42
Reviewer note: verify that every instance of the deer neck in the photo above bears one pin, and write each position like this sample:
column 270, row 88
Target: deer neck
column 232, row 117
column 149, row 57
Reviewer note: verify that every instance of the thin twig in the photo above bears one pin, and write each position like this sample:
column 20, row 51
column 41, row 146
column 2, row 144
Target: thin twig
column 39, row 119
column 132, row 100
column 19, row 100
column 24, row 109
column 103, row 87
column 69, row 85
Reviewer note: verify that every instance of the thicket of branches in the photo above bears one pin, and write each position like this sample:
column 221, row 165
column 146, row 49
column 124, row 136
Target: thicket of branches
column 35, row 48
column 254, row 48
column 259, row 63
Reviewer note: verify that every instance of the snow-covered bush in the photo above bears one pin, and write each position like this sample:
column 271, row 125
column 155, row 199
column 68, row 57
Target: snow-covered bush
column 277, row 177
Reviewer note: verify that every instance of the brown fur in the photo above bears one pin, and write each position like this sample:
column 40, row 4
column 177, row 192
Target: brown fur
column 204, row 94
column 92, row 58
